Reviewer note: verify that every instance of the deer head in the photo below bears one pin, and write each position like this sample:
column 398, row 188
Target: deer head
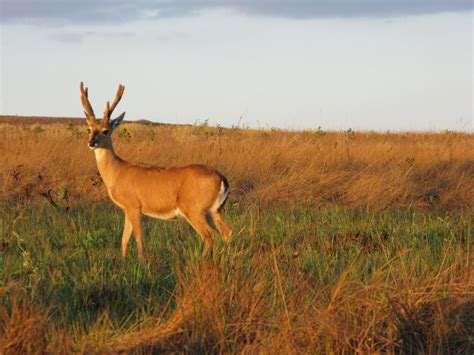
column 100, row 132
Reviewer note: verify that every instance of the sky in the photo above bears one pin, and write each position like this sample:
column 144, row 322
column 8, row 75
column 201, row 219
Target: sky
column 336, row 64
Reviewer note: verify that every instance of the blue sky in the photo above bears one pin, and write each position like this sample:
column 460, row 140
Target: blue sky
column 368, row 64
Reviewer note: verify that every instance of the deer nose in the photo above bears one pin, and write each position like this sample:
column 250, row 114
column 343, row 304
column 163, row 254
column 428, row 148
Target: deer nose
column 93, row 144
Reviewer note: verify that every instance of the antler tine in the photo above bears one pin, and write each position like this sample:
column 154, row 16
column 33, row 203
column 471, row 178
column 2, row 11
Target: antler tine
column 108, row 108
column 85, row 102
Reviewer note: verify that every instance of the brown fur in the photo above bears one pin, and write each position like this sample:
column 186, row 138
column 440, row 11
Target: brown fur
column 195, row 192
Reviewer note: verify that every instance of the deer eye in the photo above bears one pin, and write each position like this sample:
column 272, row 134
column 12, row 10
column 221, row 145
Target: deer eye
column 88, row 130
column 105, row 132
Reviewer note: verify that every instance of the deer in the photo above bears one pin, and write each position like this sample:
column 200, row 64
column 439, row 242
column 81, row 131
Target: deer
column 195, row 192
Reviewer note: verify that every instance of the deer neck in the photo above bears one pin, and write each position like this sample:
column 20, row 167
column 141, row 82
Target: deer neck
column 108, row 163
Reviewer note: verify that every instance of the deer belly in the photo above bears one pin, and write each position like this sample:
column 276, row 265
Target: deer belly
column 163, row 215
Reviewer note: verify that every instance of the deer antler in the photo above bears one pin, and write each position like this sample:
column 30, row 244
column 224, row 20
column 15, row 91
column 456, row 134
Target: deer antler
column 86, row 104
column 109, row 109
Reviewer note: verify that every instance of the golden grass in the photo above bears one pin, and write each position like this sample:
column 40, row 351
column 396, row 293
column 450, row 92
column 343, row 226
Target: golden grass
column 257, row 296
column 366, row 169
column 23, row 331
column 405, row 314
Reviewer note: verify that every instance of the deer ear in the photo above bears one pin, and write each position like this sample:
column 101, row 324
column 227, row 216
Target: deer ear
column 116, row 121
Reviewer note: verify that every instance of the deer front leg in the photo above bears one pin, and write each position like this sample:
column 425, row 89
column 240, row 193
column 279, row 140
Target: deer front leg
column 127, row 233
column 134, row 217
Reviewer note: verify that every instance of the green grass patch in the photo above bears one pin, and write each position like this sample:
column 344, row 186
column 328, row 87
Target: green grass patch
column 67, row 261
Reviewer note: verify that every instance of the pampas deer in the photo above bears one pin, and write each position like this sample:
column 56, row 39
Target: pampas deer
column 195, row 192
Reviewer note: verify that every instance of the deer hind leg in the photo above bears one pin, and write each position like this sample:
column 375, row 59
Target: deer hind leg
column 134, row 217
column 221, row 226
column 202, row 227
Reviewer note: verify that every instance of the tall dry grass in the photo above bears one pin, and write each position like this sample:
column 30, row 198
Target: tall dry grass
column 403, row 315
column 295, row 279
column 366, row 169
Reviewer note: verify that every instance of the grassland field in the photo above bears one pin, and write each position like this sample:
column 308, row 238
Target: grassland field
column 344, row 242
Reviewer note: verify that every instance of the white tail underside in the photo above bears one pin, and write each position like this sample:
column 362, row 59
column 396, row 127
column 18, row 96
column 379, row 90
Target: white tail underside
column 221, row 197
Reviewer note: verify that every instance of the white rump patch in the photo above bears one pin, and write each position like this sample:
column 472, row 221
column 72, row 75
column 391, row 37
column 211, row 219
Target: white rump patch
column 220, row 197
